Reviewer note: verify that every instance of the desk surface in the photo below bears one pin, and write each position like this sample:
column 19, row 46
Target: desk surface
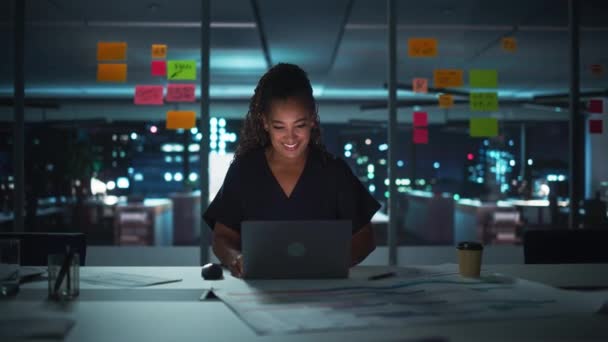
column 173, row 311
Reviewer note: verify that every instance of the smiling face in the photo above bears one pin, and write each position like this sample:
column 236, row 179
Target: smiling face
column 289, row 124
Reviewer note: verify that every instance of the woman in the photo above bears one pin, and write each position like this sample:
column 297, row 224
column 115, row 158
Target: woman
column 281, row 171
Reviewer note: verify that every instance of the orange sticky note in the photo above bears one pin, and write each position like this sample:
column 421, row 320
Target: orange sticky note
column 422, row 47
column 509, row 44
column 420, row 85
column 447, row 78
column 111, row 72
column 111, row 51
column 159, row 51
column 446, row 101
column 184, row 119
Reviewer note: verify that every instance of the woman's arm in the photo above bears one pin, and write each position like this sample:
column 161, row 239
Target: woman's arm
column 362, row 244
column 227, row 248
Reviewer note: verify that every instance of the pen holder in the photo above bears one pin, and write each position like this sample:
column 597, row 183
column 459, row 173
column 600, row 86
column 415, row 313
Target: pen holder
column 64, row 276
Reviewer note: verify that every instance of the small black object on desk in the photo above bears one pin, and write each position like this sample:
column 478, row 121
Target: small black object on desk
column 212, row 272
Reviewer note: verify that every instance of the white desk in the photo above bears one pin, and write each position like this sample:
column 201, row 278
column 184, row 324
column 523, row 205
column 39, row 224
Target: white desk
column 172, row 312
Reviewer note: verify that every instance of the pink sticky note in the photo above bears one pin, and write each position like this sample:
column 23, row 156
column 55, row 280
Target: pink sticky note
column 420, row 85
column 421, row 136
column 596, row 106
column 596, row 126
column 159, row 68
column 181, row 93
column 149, row 95
column 421, row 119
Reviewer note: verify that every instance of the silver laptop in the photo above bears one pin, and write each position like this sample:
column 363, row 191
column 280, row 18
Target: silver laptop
column 296, row 249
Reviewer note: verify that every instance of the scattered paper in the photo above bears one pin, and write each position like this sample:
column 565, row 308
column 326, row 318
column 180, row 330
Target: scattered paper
column 420, row 119
column 111, row 72
column 483, row 102
column 177, row 119
column 447, row 78
column 483, row 127
column 181, row 70
column 446, row 101
column 421, row 136
column 509, row 44
column 422, row 47
column 181, row 93
column 124, row 279
column 479, row 78
column 159, row 51
column 111, row 51
column 420, row 85
column 149, row 95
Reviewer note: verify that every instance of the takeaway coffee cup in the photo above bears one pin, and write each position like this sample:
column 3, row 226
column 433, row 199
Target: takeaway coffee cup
column 469, row 258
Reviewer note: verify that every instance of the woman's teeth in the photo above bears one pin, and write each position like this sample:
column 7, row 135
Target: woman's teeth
column 290, row 146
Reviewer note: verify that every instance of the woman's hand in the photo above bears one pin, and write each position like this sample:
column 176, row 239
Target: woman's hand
column 236, row 266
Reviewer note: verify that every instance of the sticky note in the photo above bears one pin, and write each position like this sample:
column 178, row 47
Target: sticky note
column 421, row 136
column 111, row 51
column 159, row 51
column 181, row 70
column 181, row 93
column 447, row 78
column 420, row 119
column 597, row 69
column 422, row 47
column 483, row 102
column 184, row 119
column 159, row 68
column 595, row 106
column 509, row 44
column 148, row 95
column 596, row 126
column 483, row 127
column 479, row 78
column 446, row 101
column 111, row 72
column 420, row 85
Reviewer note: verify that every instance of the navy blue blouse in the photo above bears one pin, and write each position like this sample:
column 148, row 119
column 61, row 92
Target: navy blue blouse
column 326, row 190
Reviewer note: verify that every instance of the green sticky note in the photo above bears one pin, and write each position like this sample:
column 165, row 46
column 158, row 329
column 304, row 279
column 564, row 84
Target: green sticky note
column 483, row 127
column 479, row 78
column 483, row 102
column 181, row 70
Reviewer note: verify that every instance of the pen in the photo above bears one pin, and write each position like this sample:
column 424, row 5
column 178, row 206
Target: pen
column 382, row 276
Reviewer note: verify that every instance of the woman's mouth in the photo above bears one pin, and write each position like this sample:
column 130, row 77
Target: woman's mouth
column 291, row 147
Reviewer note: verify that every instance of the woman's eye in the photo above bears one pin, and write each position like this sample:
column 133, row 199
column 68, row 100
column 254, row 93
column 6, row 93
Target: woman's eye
column 301, row 126
column 277, row 127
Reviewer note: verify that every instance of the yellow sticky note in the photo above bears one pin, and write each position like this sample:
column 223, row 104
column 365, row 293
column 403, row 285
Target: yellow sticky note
column 159, row 51
column 447, row 78
column 483, row 102
column 181, row 119
column 479, row 78
column 483, row 127
column 422, row 47
column 111, row 51
column 446, row 101
column 509, row 44
column 181, row 70
column 111, row 72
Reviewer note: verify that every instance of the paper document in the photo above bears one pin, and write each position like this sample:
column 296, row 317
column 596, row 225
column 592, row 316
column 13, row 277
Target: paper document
column 434, row 294
column 125, row 279
column 35, row 328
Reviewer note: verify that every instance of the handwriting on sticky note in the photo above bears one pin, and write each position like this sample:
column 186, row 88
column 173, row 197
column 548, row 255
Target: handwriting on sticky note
column 420, row 85
column 420, row 119
column 159, row 68
column 446, row 101
column 111, row 72
column 181, row 70
column 509, row 44
column 181, row 93
column 177, row 119
column 483, row 102
column 148, row 95
column 159, row 51
column 481, row 78
column 111, row 51
column 422, row 47
column 483, row 127
column 447, row 78
column 421, row 135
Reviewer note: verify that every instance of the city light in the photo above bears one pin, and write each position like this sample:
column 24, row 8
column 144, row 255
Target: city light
column 368, row 141
column 348, row 147
column 470, row 156
column 400, row 163
column 178, row 177
column 133, row 136
column 347, row 154
column 153, row 129
column 530, row 162
column 436, row 165
column 111, row 185
column 168, row 177
column 122, row 182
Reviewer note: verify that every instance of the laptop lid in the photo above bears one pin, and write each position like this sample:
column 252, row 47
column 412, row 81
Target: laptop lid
column 296, row 249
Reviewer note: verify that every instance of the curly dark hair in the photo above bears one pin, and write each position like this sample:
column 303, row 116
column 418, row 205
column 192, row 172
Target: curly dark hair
column 281, row 82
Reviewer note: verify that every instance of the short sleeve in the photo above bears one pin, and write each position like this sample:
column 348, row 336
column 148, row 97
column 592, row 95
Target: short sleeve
column 227, row 207
column 355, row 203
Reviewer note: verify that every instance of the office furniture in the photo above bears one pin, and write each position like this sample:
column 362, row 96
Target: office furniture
column 186, row 217
column 475, row 220
column 35, row 247
column 555, row 246
column 173, row 311
column 147, row 223
column 428, row 217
